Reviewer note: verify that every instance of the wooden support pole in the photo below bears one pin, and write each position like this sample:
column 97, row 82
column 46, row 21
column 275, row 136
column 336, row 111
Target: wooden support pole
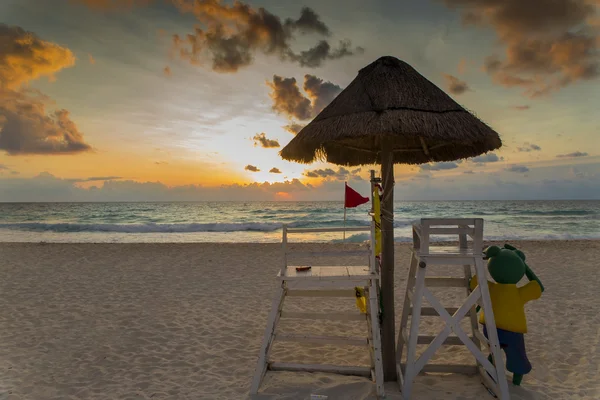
column 388, row 328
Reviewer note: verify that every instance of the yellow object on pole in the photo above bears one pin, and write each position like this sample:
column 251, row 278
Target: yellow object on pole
column 377, row 218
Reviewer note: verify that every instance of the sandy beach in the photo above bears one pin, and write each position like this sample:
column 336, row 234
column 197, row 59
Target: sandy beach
column 185, row 321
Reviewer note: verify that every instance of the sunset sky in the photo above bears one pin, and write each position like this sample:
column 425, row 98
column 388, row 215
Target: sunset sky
column 193, row 100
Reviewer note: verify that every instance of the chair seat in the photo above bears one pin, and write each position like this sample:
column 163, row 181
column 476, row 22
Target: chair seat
column 328, row 273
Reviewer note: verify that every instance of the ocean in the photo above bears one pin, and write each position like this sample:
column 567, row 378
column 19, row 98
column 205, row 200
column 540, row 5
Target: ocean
column 261, row 221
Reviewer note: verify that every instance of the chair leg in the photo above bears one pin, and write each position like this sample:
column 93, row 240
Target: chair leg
column 261, row 365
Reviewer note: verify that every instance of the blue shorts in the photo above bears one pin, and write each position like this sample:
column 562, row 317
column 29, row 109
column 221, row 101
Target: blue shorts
column 513, row 344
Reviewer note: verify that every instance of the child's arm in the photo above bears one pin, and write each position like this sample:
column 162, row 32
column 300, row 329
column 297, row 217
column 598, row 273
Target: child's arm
column 532, row 277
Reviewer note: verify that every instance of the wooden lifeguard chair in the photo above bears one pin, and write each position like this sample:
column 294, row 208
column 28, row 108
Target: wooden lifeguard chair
column 425, row 256
column 325, row 282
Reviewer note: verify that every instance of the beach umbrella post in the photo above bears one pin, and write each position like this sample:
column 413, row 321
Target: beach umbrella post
column 390, row 114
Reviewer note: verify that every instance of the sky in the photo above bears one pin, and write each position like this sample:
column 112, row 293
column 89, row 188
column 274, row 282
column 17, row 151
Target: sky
column 185, row 100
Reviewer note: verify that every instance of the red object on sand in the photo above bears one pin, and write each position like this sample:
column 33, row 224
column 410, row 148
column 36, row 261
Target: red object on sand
column 353, row 198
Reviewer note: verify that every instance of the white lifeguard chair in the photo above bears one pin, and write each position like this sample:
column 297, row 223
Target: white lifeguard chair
column 325, row 282
column 426, row 256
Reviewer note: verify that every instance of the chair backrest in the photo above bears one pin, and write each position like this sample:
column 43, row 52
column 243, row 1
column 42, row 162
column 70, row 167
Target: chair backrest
column 368, row 252
column 466, row 230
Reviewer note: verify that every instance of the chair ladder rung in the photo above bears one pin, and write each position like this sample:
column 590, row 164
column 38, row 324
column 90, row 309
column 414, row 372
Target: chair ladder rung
column 465, row 369
column 336, row 369
column 431, row 312
column 450, row 340
column 321, row 293
column 334, row 340
column 325, row 316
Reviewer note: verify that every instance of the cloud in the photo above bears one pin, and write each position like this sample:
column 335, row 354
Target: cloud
column 547, row 45
column 339, row 175
column 289, row 101
column 522, row 108
column 572, row 155
column 486, row 158
column 293, row 128
column 161, row 162
column 518, row 168
column 91, row 59
column 439, row 166
column 529, row 147
column 25, row 57
column 251, row 168
column 275, row 170
column 261, row 138
column 112, row 5
column 231, row 35
column 167, row 71
column 455, row 85
column 96, row 178
column 25, row 125
column 468, row 172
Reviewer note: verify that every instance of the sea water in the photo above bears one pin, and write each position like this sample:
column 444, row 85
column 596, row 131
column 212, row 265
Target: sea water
column 262, row 221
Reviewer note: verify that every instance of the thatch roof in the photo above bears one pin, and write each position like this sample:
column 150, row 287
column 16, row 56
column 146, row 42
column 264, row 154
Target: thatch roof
column 389, row 100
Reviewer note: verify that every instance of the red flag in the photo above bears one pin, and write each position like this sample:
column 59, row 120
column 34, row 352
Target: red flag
column 353, row 198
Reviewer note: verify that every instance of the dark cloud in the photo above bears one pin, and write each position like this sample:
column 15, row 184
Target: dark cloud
column 486, row 158
column 529, row 147
column 293, row 128
column 518, row 168
column 439, row 166
column 319, row 92
column 25, row 125
column 455, row 85
column 574, row 154
column 261, row 139
column 96, row 178
column 251, row 168
column 289, row 100
column 548, row 44
column 231, row 35
column 275, row 170
column 328, row 173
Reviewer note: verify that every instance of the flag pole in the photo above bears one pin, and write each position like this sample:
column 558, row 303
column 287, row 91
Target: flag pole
column 344, row 232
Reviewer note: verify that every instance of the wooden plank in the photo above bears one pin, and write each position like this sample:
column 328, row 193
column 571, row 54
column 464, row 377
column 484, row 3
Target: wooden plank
column 451, row 231
column 449, row 341
column 445, row 281
column 333, row 369
column 482, row 339
column 448, row 368
column 358, row 271
column 269, row 335
column 321, row 293
column 349, row 253
column 334, row 340
column 448, row 221
column 333, row 316
column 488, row 381
column 430, row 311
column 328, row 284
column 332, row 229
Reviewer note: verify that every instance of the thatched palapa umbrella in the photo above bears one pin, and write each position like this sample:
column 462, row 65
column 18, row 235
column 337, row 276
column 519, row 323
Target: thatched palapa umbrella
column 390, row 114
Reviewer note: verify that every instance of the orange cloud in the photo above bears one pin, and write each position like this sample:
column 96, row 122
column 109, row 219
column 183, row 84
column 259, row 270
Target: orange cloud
column 25, row 57
column 455, row 85
column 231, row 35
column 261, row 138
column 548, row 45
column 25, row 126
